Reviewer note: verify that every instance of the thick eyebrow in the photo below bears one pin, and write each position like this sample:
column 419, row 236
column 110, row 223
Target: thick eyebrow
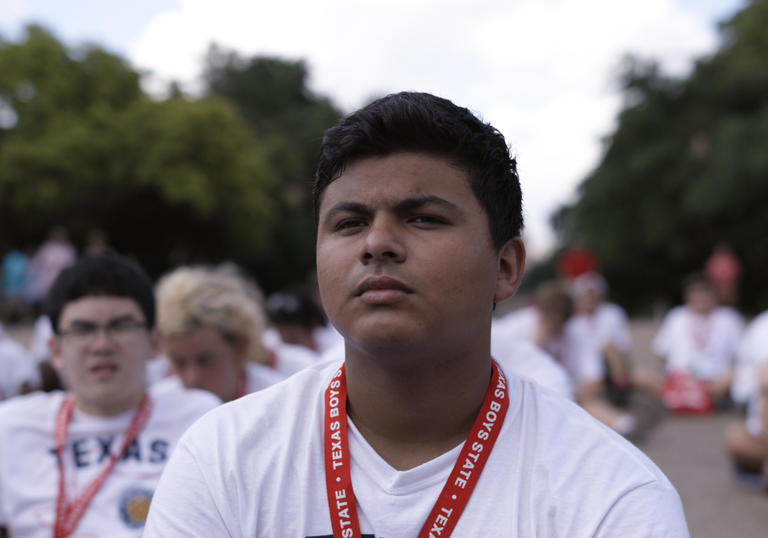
column 345, row 207
column 409, row 204
column 91, row 323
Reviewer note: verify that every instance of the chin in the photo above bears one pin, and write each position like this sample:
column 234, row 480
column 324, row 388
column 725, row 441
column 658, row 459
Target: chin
column 387, row 340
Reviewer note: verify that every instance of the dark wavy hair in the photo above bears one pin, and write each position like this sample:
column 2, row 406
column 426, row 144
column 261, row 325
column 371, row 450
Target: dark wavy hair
column 101, row 275
column 412, row 121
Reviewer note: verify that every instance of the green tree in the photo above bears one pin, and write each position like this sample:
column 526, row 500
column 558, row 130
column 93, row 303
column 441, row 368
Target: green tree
column 685, row 169
column 288, row 121
column 170, row 181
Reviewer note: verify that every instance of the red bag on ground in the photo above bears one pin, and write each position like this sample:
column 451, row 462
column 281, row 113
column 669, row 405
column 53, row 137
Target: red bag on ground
column 683, row 393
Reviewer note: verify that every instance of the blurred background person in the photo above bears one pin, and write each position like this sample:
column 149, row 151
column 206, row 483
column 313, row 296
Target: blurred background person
column 97, row 243
column 211, row 331
column 747, row 442
column 42, row 332
column 18, row 374
column 13, row 284
column 723, row 269
column 607, row 327
column 294, row 316
column 575, row 261
column 525, row 359
column 55, row 254
column 85, row 462
column 700, row 339
column 546, row 324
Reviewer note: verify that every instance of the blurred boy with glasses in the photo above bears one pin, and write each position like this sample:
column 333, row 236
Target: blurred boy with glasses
column 86, row 462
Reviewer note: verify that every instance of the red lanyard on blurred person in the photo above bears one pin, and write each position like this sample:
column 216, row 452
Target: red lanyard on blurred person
column 69, row 514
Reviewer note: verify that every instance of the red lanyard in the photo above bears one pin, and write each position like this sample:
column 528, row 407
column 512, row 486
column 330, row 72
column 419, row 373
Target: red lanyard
column 700, row 330
column 458, row 488
column 272, row 360
column 69, row 514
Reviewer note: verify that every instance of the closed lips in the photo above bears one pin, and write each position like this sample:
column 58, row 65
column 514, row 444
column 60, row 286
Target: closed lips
column 381, row 283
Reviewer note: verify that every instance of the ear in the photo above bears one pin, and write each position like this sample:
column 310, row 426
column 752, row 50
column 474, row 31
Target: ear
column 511, row 262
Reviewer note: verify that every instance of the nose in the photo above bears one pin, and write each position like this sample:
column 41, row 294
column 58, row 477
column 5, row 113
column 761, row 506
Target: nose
column 193, row 377
column 102, row 341
column 383, row 241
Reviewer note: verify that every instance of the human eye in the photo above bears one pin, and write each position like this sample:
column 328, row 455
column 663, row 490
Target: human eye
column 124, row 325
column 178, row 363
column 204, row 361
column 81, row 330
column 426, row 220
column 349, row 224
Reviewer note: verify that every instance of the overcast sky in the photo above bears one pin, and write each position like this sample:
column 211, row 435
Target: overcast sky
column 542, row 71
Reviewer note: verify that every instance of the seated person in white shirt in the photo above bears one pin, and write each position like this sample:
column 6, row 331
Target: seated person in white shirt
column 700, row 338
column 548, row 324
column 211, row 329
column 86, row 462
column 607, row 326
column 419, row 218
column 747, row 442
column 18, row 372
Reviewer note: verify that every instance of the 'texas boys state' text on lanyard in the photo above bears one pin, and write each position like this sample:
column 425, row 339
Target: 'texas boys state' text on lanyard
column 69, row 514
column 462, row 480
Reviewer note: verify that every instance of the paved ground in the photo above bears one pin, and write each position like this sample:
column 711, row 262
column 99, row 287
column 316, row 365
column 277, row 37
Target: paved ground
column 689, row 451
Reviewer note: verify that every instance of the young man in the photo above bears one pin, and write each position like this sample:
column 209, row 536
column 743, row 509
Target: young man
column 211, row 331
column 701, row 339
column 85, row 463
column 419, row 218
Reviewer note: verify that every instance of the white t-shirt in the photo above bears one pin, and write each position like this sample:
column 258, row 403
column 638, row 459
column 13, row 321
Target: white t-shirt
column 290, row 358
column 41, row 336
column 29, row 472
column 16, row 367
column 704, row 346
column 572, row 349
column 524, row 359
column 255, row 468
column 753, row 356
column 607, row 324
column 258, row 377
column 158, row 369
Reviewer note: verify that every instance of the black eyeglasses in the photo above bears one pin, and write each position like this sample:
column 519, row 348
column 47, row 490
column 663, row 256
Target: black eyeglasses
column 119, row 331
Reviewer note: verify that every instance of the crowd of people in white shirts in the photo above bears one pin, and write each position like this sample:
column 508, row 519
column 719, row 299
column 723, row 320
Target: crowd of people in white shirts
column 215, row 334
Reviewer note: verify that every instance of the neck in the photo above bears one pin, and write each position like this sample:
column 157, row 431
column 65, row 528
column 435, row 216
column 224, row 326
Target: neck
column 241, row 380
column 412, row 410
column 110, row 409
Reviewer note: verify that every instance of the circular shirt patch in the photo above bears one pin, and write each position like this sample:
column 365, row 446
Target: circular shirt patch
column 134, row 506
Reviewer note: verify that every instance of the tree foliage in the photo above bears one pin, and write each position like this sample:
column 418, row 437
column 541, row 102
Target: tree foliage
column 288, row 121
column 686, row 168
column 172, row 181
